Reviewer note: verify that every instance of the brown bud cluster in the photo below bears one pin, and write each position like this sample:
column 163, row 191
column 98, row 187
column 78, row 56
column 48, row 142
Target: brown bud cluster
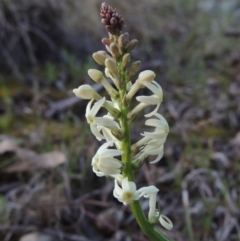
column 111, row 19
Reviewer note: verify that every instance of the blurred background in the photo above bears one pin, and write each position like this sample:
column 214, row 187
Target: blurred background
column 47, row 188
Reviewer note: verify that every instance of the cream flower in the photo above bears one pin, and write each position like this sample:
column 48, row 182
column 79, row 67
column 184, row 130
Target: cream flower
column 153, row 214
column 155, row 99
column 104, row 163
column 96, row 122
column 107, row 130
column 152, row 142
column 127, row 194
column 91, row 116
column 156, row 138
column 151, row 193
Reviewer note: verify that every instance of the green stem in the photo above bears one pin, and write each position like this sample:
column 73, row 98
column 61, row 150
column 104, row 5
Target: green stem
column 147, row 228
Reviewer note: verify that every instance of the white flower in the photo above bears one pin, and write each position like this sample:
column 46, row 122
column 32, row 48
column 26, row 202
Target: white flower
column 104, row 163
column 152, row 142
column 153, row 214
column 96, row 122
column 105, row 121
column 161, row 126
column 107, row 131
column 91, row 115
column 157, row 138
column 155, row 99
column 128, row 193
column 151, row 193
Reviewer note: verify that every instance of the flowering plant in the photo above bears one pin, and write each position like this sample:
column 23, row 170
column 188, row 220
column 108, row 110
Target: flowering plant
column 115, row 126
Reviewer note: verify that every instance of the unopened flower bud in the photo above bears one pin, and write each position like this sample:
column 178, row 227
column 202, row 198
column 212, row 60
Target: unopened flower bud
column 114, row 50
column 100, row 57
column 125, row 59
column 121, row 40
column 126, row 37
column 86, row 92
column 111, row 65
column 134, row 68
column 146, row 75
column 131, row 45
column 109, row 75
column 112, row 68
column 95, row 75
column 113, row 21
column 106, row 41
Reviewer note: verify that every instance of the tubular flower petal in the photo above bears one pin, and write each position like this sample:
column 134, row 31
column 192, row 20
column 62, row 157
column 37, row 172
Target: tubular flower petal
column 107, row 122
column 166, row 222
column 107, row 130
column 104, row 163
column 146, row 75
column 152, row 142
column 158, row 152
column 143, row 77
column 127, row 193
column 91, row 113
column 96, row 122
column 151, row 193
column 159, row 124
column 155, row 99
column 147, row 191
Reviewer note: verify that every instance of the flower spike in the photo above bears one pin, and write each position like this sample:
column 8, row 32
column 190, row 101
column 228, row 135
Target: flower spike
column 117, row 158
